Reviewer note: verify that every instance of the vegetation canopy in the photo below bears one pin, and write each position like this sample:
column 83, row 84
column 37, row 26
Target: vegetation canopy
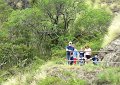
column 34, row 32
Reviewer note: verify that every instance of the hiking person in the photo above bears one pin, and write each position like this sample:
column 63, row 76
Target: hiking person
column 95, row 59
column 87, row 53
column 81, row 57
column 69, row 52
column 75, row 55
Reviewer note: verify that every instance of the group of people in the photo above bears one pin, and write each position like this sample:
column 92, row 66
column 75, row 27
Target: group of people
column 82, row 56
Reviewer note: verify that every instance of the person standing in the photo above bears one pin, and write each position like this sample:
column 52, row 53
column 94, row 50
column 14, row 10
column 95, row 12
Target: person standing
column 75, row 55
column 87, row 52
column 81, row 57
column 69, row 52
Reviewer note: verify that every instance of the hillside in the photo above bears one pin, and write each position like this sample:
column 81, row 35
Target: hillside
column 35, row 33
column 55, row 74
column 113, row 54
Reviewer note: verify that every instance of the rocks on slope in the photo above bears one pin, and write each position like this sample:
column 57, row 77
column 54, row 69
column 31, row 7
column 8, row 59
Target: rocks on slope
column 112, row 54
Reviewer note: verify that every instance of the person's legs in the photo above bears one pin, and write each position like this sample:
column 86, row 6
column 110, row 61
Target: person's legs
column 71, row 62
column 75, row 59
column 95, row 62
column 88, row 58
column 68, row 58
column 81, row 61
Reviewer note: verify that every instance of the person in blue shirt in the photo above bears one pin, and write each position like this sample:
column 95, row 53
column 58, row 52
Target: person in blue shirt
column 75, row 55
column 95, row 59
column 69, row 52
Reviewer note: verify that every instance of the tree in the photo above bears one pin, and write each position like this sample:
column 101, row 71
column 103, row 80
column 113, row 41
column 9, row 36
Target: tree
column 61, row 14
column 92, row 26
column 26, row 38
column 93, row 21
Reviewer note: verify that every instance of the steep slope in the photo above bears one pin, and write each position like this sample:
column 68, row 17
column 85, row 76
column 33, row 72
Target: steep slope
column 111, row 43
column 113, row 54
column 113, row 30
column 57, row 74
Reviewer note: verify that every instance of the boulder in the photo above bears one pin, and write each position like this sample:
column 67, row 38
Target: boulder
column 110, row 55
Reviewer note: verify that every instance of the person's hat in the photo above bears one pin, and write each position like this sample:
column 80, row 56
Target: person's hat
column 70, row 42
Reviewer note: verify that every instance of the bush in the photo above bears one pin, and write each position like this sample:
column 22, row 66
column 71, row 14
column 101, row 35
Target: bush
column 57, row 81
column 110, row 76
column 50, row 81
column 19, row 55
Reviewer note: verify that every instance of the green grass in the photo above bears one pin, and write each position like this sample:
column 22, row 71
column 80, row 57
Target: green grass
column 22, row 76
column 52, row 73
column 110, row 76
column 50, row 80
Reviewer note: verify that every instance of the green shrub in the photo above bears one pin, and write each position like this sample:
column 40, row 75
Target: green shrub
column 76, row 82
column 110, row 76
column 50, row 81
column 57, row 81
column 19, row 55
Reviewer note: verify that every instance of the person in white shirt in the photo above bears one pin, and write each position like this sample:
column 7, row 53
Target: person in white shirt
column 87, row 52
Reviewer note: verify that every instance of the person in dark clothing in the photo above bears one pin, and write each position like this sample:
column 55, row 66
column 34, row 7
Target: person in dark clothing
column 81, row 57
column 69, row 51
column 95, row 59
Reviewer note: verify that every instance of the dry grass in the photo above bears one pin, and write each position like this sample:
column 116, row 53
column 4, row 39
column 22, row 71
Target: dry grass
column 113, row 31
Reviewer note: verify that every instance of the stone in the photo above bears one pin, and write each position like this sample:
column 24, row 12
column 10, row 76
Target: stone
column 112, row 56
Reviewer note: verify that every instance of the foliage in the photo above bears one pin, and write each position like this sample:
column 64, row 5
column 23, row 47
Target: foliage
column 76, row 82
column 95, row 43
column 19, row 55
column 20, row 75
column 113, row 31
column 50, row 81
column 94, row 19
column 35, row 65
column 44, row 29
column 5, row 11
column 110, row 76
column 91, row 26
column 57, row 81
column 31, row 36
column 62, row 15
column 23, row 38
column 55, row 74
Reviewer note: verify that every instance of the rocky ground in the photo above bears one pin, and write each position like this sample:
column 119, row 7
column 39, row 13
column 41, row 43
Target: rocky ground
column 80, row 72
column 113, row 53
